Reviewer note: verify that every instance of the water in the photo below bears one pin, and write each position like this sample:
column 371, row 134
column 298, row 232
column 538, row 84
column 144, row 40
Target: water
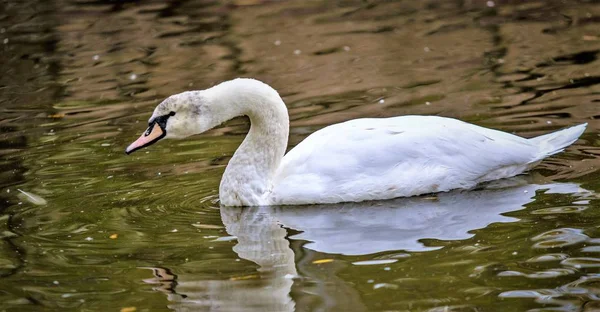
column 94, row 230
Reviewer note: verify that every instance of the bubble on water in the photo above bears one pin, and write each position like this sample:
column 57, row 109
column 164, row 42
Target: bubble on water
column 55, row 283
column 491, row 4
column 96, row 57
column 174, row 231
column 427, row 103
column 381, row 101
column 548, row 122
column 277, row 42
column 133, row 77
column 297, row 52
column 5, row 40
column 89, row 239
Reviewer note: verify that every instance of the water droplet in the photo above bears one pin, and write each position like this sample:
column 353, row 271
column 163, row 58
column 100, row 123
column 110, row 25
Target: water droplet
column 132, row 77
column 381, row 101
column 491, row 4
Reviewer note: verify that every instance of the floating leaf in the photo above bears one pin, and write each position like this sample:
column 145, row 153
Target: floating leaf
column 322, row 261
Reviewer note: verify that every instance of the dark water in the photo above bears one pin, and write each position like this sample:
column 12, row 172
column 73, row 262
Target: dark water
column 98, row 231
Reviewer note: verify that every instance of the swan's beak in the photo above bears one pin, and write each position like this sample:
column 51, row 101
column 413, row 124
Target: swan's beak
column 151, row 136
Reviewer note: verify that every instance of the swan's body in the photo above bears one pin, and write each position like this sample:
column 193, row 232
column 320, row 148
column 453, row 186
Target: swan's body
column 358, row 160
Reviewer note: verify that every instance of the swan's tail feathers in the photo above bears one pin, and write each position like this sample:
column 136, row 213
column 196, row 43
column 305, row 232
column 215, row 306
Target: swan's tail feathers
column 556, row 142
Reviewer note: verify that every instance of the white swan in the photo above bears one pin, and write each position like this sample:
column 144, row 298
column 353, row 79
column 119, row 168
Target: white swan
column 357, row 160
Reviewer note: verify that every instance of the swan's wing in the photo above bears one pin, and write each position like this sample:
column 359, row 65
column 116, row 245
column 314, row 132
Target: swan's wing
column 383, row 158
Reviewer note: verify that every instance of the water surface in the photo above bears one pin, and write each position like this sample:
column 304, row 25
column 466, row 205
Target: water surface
column 86, row 228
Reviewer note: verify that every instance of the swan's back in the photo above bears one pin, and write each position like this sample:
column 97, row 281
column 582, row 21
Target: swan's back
column 369, row 159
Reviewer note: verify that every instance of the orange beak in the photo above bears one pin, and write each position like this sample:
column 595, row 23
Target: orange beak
column 151, row 136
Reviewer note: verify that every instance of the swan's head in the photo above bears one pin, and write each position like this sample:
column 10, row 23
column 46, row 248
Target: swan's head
column 194, row 112
column 178, row 116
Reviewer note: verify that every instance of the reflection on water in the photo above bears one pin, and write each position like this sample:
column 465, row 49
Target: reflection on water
column 401, row 224
column 355, row 229
column 80, row 78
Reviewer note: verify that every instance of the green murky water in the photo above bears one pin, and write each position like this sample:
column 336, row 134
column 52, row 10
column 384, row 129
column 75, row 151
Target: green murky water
column 86, row 228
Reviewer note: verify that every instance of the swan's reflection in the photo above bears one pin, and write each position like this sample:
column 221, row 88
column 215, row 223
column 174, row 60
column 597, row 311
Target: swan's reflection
column 349, row 229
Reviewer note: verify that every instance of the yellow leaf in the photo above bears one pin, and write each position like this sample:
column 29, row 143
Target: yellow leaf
column 128, row 309
column 114, row 236
column 322, row 261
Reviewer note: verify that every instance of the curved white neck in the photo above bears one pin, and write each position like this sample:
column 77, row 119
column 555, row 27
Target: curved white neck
column 250, row 171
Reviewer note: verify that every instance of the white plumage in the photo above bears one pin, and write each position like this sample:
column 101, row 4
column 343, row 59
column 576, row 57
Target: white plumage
column 358, row 160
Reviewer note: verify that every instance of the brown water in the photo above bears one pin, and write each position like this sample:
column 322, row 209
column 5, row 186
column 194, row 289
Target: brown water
column 96, row 230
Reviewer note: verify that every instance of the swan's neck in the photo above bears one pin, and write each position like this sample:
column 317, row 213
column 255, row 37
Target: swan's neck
column 248, row 176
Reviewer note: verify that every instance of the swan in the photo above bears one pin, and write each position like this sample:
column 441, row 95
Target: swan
column 353, row 161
